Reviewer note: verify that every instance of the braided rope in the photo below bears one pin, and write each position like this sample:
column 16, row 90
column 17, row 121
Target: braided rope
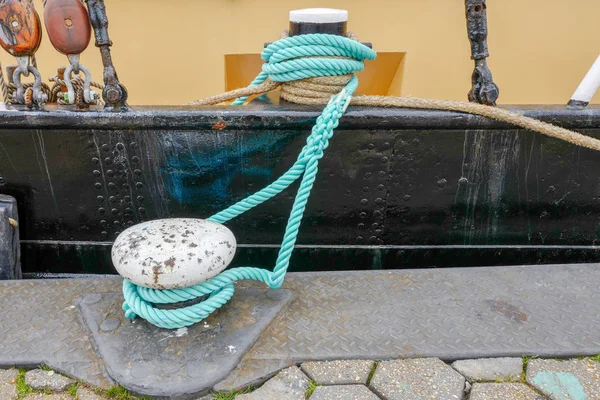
column 4, row 87
column 281, row 66
column 54, row 93
column 78, row 86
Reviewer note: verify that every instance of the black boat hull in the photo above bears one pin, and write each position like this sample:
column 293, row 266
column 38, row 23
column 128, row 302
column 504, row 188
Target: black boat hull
column 396, row 188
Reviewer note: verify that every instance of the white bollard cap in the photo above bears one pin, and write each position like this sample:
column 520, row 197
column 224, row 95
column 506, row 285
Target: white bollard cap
column 319, row 15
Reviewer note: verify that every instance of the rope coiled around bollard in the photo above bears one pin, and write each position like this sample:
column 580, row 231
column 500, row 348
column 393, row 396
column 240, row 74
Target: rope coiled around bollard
column 282, row 65
column 309, row 69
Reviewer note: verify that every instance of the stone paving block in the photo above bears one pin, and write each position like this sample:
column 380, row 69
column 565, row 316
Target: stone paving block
column 289, row 384
column 251, row 373
column 40, row 380
column 490, row 369
column 41, row 396
column 339, row 372
column 421, row 378
column 565, row 380
column 343, row 392
column 503, row 391
column 85, row 393
column 8, row 387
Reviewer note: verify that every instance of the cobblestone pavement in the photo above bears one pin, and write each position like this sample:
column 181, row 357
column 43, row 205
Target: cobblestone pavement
column 433, row 379
column 404, row 379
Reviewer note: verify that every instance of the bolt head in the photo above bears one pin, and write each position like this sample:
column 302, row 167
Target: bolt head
column 113, row 95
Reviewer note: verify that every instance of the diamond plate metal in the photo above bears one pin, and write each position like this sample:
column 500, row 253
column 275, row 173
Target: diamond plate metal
column 39, row 324
column 550, row 311
column 452, row 314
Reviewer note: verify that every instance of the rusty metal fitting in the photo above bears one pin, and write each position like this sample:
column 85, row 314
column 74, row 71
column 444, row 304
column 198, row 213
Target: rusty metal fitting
column 39, row 98
column 114, row 93
column 483, row 89
column 89, row 96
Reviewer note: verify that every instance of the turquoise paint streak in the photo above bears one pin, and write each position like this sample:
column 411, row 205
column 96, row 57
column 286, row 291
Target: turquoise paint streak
column 207, row 176
column 561, row 385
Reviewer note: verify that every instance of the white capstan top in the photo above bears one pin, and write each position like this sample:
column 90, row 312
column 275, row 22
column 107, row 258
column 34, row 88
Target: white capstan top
column 319, row 15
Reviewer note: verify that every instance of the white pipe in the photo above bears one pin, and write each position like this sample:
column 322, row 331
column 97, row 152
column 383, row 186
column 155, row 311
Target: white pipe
column 588, row 87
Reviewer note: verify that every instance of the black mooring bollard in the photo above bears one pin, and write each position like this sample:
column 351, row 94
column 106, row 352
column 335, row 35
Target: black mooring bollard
column 318, row 20
column 10, row 254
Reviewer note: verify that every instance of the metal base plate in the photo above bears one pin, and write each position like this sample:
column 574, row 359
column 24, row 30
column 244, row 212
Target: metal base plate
column 178, row 363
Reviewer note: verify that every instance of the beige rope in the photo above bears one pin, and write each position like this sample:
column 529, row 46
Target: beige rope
column 26, row 85
column 495, row 113
column 78, row 87
column 4, row 87
column 264, row 87
column 54, row 93
column 318, row 91
column 313, row 90
column 13, row 222
column 310, row 93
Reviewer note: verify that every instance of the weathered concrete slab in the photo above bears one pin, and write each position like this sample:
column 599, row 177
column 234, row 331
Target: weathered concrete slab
column 490, row 369
column 423, row 378
column 503, row 391
column 84, row 393
column 40, row 379
column 43, row 396
column 289, row 384
column 338, row 372
column 177, row 363
column 565, row 380
column 343, row 392
column 8, row 388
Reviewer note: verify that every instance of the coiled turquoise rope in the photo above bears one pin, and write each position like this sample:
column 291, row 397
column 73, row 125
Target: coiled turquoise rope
column 284, row 61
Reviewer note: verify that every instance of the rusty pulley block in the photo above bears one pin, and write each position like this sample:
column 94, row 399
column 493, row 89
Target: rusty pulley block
column 69, row 26
column 69, row 31
column 20, row 36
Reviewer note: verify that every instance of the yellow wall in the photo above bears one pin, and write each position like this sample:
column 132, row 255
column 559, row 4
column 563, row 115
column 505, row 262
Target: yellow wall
column 172, row 51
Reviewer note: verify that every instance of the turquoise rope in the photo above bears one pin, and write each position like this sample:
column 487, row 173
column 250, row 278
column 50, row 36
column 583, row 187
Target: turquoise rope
column 284, row 61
